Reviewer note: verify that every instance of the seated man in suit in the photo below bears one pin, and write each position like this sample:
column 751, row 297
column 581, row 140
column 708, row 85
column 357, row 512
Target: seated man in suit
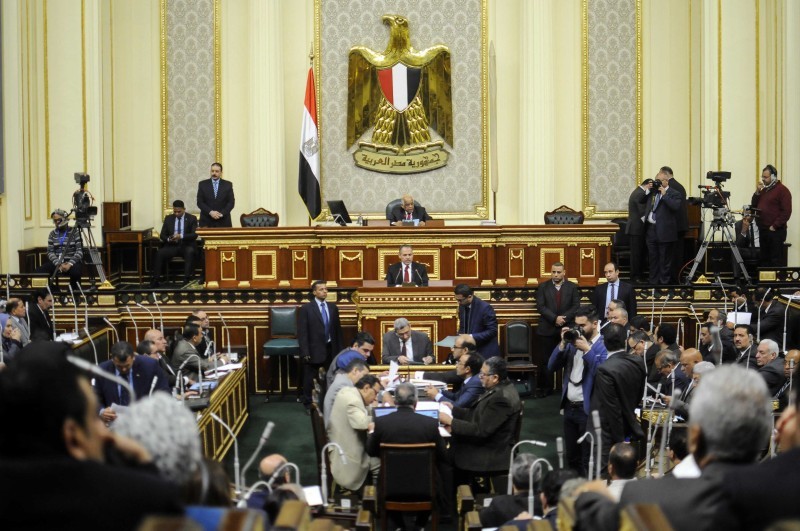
column 363, row 345
column 407, row 271
column 407, row 211
column 770, row 366
column 153, row 346
column 140, row 371
column 477, row 318
column 15, row 308
column 467, row 368
column 406, row 346
column 182, row 357
column 506, row 507
column 178, row 238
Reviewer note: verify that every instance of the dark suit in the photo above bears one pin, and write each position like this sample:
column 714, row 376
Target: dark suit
column 420, row 345
column 316, row 349
column 771, row 326
column 144, row 370
column 169, row 372
column 223, row 203
column 623, row 292
column 418, row 274
column 398, row 213
column 506, row 507
column 682, row 218
column 746, row 242
column 772, row 373
column 662, row 235
column 467, row 395
column 617, row 391
column 480, row 320
column 186, row 247
column 635, row 229
column 747, row 357
column 484, row 434
column 548, row 311
column 40, row 324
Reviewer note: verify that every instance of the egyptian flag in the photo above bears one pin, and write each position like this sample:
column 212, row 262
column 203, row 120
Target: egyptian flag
column 308, row 183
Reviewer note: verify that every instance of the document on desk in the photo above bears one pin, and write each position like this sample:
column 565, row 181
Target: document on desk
column 393, row 368
column 213, row 374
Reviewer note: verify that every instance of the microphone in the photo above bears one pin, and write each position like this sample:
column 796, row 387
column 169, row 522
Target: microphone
column 791, row 376
column 114, row 328
column 135, row 326
column 242, row 504
column 591, row 452
column 160, row 314
column 560, row 450
column 281, row 468
column 650, row 433
column 74, row 307
column 421, row 282
column 399, row 273
column 653, row 309
column 199, row 369
column 680, row 330
column 94, row 348
column 661, row 313
column 597, row 433
column 261, row 442
column 511, row 457
column 97, row 371
column 235, row 452
column 52, row 311
column 534, row 465
column 153, row 385
column 324, row 471
column 152, row 319
column 785, row 317
column 85, row 309
column 758, row 332
column 662, row 450
column 227, row 333
column 691, row 307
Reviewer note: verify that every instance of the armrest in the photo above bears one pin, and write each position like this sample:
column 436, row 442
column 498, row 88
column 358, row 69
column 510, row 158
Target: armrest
column 369, row 500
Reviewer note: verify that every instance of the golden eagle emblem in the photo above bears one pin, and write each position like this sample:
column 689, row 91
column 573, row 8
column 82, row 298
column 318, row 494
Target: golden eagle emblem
column 401, row 93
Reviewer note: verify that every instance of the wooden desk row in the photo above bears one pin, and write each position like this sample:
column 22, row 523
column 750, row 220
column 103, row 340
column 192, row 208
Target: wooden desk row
column 513, row 256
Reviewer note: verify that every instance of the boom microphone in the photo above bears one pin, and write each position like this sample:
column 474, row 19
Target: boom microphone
column 160, row 314
column 560, row 450
column 261, row 442
column 116, row 334
column 235, row 452
column 135, row 326
column 598, row 433
column 74, row 307
column 97, row 371
column 152, row 319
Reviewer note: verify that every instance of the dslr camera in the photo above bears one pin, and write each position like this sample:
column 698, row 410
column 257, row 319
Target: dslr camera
column 571, row 335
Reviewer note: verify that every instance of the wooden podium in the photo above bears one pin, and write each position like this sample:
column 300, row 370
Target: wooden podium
column 432, row 310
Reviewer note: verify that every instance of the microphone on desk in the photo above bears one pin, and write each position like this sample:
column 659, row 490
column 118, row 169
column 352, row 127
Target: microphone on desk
column 94, row 348
column 560, row 450
column 227, row 333
column 598, row 431
column 116, row 334
column 511, row 457
column 324, row 470
column 152, row 318
column 242, row 504
column 534, row 465
column 591, row 453
column 74, row 307
column 97, row 371
column 52, row 311
column 135, row 326
column 650, row 432
column 758, row 329
column 261, row 442
column 85, row 309
column 235, row 452
column 281, row 468
column 399, row 274
column 153, row 385
column 199, row 369
column 421, row 282
column 661, row 313
column 160, row 314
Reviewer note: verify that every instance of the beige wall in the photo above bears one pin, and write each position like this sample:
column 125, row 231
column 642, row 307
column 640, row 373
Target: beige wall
column 94, row 103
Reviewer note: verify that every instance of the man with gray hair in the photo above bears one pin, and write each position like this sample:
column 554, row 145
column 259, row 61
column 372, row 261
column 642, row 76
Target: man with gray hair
column 507, row 506
column 731, row 419
column 770, row 366
column 406, row 346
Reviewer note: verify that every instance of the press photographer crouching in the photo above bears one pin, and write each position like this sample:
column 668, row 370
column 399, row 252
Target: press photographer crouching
column 64, row 250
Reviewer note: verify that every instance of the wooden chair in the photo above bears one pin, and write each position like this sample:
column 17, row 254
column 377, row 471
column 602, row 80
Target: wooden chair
column 396, row 202
column 320, row 440
column 408, row 480
column 563, row 215
column 621, row 244
column 259, row 218
column 284, row 343
column 518, row 354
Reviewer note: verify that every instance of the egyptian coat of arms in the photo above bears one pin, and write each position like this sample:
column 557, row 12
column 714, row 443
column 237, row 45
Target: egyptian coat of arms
column 400, row 94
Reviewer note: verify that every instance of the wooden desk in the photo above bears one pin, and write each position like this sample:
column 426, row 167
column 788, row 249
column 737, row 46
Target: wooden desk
column 489, row 256
column 228, row 402
column 128, row 236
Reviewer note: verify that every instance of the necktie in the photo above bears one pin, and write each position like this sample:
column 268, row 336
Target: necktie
column 216, row 187
column 466, row 319
column 408, row 215
column 180, row 229
column 612, row 292
column 403, row 350
column 406, row 275
column 324, row 311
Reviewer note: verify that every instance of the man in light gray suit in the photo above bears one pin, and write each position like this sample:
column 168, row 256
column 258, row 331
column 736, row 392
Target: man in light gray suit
column 406, row 346
column 352, row 373
column 15, row 308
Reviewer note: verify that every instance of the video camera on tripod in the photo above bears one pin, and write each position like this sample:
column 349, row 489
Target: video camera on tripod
column 82, row 202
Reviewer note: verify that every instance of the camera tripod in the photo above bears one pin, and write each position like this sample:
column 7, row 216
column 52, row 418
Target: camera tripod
column 721, row 225
column 82, row 231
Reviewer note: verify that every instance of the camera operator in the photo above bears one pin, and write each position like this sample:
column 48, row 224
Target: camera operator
column 64, row 250
column 774, row 202
column 662, row 218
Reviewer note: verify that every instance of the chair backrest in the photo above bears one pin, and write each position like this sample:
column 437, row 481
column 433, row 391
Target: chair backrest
column 412, row 469
column 259, row 218
column 518, row 338
column 563, row 215
column 283, row 321
column 396, row 202
column 518, row 429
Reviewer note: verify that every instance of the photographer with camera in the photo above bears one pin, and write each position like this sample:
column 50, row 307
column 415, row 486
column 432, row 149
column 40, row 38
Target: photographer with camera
column 774, row 201
column 579, row 353
column 662, row 219
column 64, row 250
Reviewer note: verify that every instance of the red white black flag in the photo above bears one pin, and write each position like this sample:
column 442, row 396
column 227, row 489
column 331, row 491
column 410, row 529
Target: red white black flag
column 308, row 183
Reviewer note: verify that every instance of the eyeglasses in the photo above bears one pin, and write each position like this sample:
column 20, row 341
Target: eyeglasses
column 455, row 347
column 484, row 374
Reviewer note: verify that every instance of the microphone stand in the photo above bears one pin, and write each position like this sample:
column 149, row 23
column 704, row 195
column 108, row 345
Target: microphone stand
column 598, row 432
column 160, row 314
column 94, row 348
column 560, row 450
column 691, row 307
column 242, row 504
column 236, row 475
column 152, row 319
column 199, row 373
column 758, row 330
column 153, row 385
column 785, row 317
column 650, row 434
column 52, row 312
column 536, row 464
column 261, row 442
column 791, row 376
column 135, row 326
column 114, row 328
column 653, row 310
column 511, row 457
column 280, row 469
column 97, row 371
column 227, row 334
column 663, row 447
column 681, row 335
column 591, row 453
column 74, row 307
column 324, row 470
column 661, row 313
column 85, row 309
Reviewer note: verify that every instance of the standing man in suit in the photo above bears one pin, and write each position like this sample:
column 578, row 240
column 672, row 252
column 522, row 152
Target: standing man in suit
column 467, row 368
column 663, row 211
column 617, row 391
column 139, row 371
column 774, row 200
column 406, row 346
column 15, row 308
column 407, row 211
column 477, row 318
column 557, row 300
column 635, row 229
column 579, row 359
column 178, row 238
column 41, row 324
column 319, row 333
column 682, row 219
column 407, row 271
column 614, row 288
column 215, row 199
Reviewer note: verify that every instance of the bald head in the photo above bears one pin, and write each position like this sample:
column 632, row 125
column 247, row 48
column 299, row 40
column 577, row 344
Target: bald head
column 270, row 464
column 790, row 362
column 689, row 358
column 157, row 337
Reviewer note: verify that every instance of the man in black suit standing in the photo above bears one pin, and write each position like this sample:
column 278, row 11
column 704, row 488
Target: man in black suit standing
column 319, row 333
column 682, row 219
column 477, row 319
column 407, row 271
column 617, row 391
column 663, row 211
column 178, row 238
column 408, row 211
column 215, row 199
column 635, row 229
column 614, row 288
column 557, row 300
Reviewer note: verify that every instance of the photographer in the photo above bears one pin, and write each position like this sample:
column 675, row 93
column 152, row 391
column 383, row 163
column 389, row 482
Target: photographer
column 662, row 219
column 579, row 353
column 64, row 250
column 748, row 237
column 774, row 201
